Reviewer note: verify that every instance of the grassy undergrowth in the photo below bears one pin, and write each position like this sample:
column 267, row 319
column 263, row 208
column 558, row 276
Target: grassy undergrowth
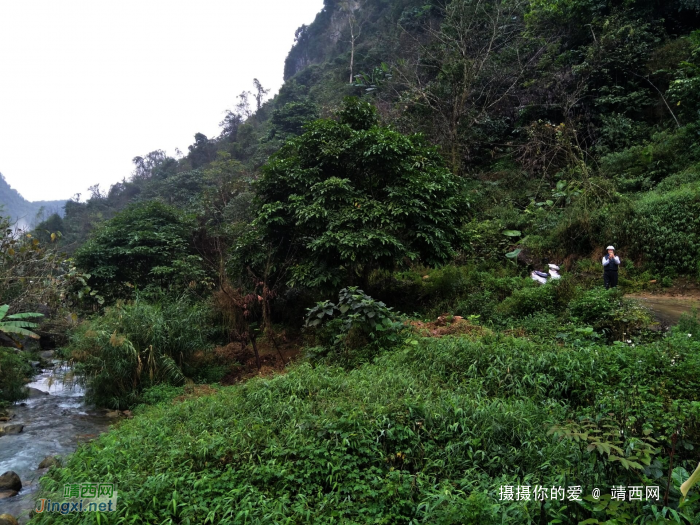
column 427, row 433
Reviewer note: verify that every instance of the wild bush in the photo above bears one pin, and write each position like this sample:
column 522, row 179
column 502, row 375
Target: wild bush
column 139, row 344
column 609, row 313
column 147, row 246
column 665, row 229
column 15, row 370
column 349, row 196
column 356, row 321
column 591, row 305
column 687, row 176
column 529, row 300
column 689, row 324
column 460, row 289
column 642, row 166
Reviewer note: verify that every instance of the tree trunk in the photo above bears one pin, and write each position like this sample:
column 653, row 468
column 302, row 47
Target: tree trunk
column 352, row 52
column 255, row 349
column 274, row 342
column 267, row 321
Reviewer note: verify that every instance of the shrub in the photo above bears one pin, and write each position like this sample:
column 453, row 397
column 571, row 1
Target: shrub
column 623, row 322
column 147, row 245
column 482, row 303
column 349, row 197
column 672, row 182
column 609, row 313
column 642, row 166
column 356, row 321
column 665, row 229
column 15, row 369
column 486, row 241
column 529, row 300
column 689, row 324
column 594, row 304
column 139, row 344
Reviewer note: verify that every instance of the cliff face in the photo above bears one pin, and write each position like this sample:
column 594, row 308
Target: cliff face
column 312, row 43
column 328, row 37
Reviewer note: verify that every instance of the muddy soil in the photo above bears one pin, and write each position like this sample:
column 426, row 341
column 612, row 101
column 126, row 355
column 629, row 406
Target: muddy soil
column 668, row 307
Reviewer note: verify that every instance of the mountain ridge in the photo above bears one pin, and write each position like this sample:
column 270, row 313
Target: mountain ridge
column 22, row 211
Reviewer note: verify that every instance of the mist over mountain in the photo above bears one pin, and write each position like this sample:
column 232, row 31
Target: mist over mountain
column 26, row 213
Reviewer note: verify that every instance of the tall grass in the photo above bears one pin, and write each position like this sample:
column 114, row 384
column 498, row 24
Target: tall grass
column 136, row 345
column 15, row 369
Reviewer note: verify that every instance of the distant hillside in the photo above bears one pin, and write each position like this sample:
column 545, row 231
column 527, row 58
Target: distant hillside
column 566, row 114
column 19, row 209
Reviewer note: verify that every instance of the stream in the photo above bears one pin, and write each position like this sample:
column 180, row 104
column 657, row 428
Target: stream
column 56, row 419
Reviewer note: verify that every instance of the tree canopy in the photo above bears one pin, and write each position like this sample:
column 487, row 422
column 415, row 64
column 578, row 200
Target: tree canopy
column 350, row 196
column 148, row 243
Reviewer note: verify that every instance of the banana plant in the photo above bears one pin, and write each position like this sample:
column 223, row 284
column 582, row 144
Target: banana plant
column 692, row 480
column 15, row 324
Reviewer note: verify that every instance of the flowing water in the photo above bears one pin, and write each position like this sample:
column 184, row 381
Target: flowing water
column 56, row 419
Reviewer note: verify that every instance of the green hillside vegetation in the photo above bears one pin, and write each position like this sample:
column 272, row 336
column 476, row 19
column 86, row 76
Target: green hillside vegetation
column 370, row 231
column 425, row 434
column 13, row 205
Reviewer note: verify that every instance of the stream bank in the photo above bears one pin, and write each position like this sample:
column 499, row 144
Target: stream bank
column 55, row 420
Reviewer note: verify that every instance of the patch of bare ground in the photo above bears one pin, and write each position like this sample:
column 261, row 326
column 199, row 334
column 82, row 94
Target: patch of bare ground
column 447, row 325
column 669, row 304
column 275, row 355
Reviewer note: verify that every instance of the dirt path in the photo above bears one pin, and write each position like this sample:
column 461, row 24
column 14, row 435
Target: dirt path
column 668, row 307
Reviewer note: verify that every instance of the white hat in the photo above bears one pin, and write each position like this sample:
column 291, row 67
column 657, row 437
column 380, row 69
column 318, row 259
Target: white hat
column 610, row 248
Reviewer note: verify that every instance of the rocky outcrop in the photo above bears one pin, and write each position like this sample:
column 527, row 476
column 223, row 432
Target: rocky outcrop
column 50, row 461
column 33, row 393
column 6, row 519
column 8, row 430
column 10, row 481
column 4, row 494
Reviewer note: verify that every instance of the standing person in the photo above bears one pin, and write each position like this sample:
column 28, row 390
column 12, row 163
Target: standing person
column 610, row 265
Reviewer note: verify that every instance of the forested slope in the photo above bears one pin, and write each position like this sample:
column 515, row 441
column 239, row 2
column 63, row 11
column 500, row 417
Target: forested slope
column 559, row 116
column 371, row 230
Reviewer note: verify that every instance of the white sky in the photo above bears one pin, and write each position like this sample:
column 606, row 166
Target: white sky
column 86, row 85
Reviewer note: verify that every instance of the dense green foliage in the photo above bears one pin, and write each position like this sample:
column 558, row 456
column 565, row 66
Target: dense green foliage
column 559, row 120
column 137, row 345
column 147, row 245
column 427, row 434
column 667, row 227
column 15, row 369
column 485, row 140
column 356, row 322
column 349, row 197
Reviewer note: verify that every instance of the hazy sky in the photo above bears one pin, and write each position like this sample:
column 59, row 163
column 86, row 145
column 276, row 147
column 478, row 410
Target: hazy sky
column 86, row 85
